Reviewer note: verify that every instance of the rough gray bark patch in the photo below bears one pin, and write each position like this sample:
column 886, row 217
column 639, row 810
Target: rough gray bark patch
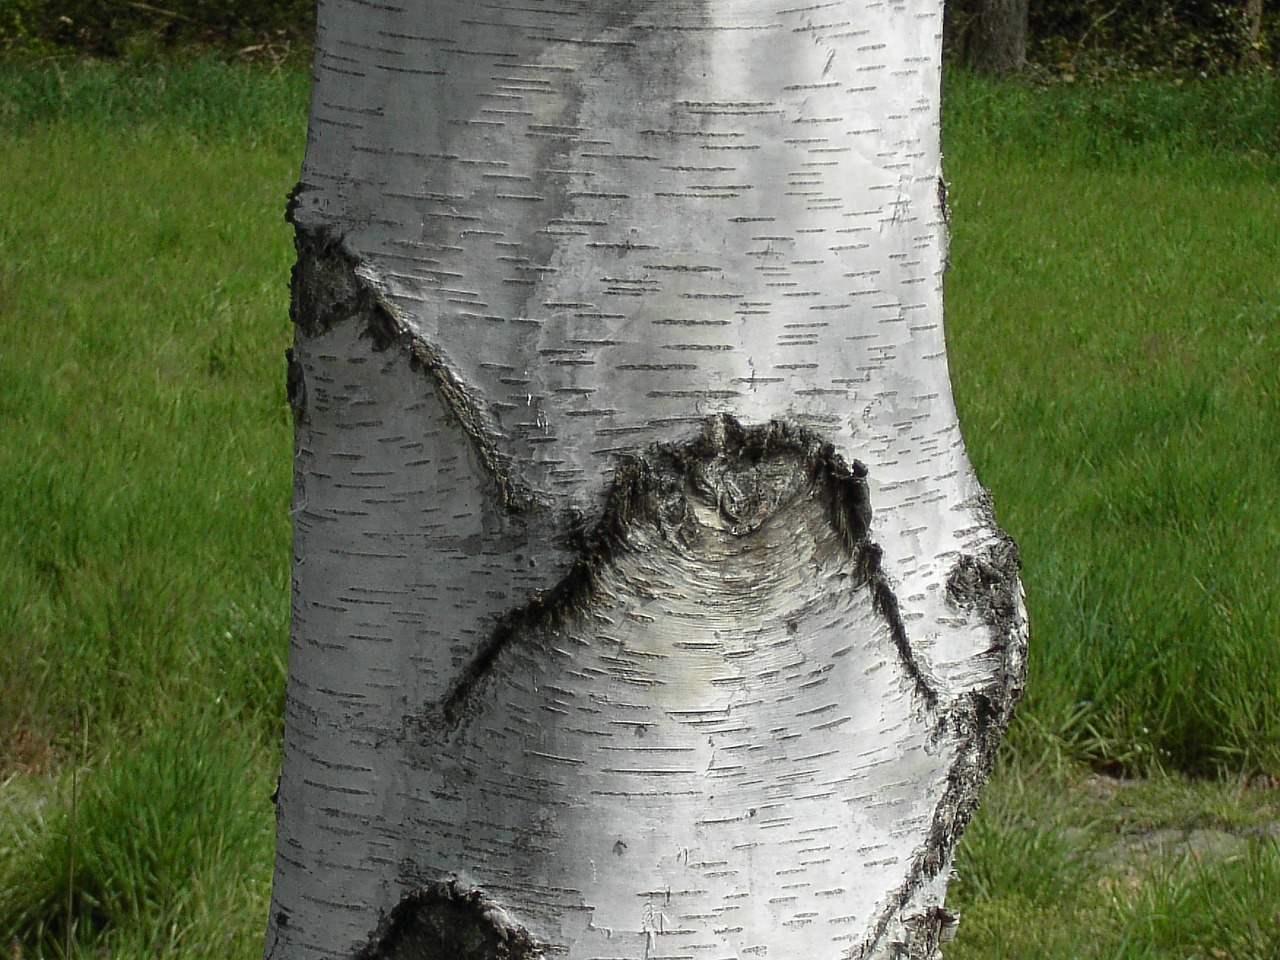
column 926, row 931
column 987, row 584
column 442, row 922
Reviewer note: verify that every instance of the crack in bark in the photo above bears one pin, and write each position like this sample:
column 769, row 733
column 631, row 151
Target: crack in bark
column 985, row 584
column 296, row 387
column 327, row 290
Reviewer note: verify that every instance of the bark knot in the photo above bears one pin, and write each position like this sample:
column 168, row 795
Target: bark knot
column 728, row 479
column 987, row 584
column 442, row 921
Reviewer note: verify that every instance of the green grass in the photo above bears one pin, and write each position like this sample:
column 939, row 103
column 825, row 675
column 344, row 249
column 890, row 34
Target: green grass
column 1061, row 865
column 146, row 461
column 1121, row 123
column 144, row 513
column 1112, row 325
column 207, row 99
column 165, row 850
column 1113, row 308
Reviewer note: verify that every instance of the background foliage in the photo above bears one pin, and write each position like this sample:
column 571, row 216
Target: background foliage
column 1092, row 36
column 139, row 30
column 1198, row 35
column 1066, row 36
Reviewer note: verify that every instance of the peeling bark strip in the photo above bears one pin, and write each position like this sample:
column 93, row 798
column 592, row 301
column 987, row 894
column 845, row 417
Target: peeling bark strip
column 597, row 649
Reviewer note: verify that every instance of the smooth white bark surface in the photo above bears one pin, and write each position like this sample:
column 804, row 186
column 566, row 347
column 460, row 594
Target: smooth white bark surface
column 724, row 717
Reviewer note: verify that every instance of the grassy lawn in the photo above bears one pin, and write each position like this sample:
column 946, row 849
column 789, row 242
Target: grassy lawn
column 1113, row 309
column 1114, row 324
column 144, row 513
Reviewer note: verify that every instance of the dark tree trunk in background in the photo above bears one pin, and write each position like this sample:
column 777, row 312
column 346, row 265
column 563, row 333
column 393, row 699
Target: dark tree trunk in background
column 1253, row 26
column 990, row 35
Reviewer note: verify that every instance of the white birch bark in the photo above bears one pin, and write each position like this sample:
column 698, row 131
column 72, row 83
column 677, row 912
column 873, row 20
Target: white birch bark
column 645, row 603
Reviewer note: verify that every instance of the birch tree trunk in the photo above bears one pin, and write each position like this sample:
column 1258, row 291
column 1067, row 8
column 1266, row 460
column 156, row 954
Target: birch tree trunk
column 645, row 603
